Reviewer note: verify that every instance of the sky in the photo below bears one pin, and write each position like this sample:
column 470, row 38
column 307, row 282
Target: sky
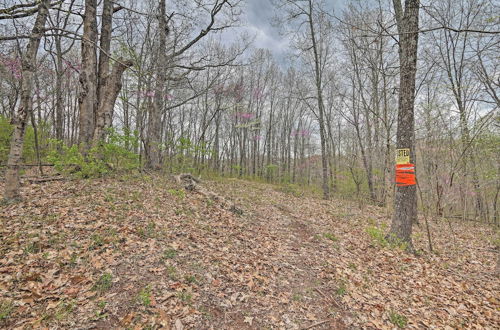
column 258, row 16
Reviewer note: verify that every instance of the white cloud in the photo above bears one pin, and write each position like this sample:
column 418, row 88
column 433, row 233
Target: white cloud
column 263, row 39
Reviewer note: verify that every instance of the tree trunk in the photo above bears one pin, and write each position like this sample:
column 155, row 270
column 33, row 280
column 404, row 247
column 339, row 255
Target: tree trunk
column 321, row 107
column 20, row 120
column 405, row 200
column 104, row 50
column 59, row 111
column 154, row 128
column 110, row 92
column 88, row 77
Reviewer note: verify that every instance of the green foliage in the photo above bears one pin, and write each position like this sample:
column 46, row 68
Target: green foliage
column 97, row 241
column 33, row 247
column 147, row 232
column 291, row 189
column 331, row 237
column 104, row 283
column 73, row 260
column 172, row 272
column 64, row 309
column 5, row 133
column 100, row 313
column 271, row 170
column 70, row 161
column 116, row 150
column 487, row 145
column 377, row 235
column 6, row 308
column 144, row 296
column 112, row 155
column 237, row 168
column 191, row 279
column 184, row 161
column 29, row 153
column 345, row 184
column 397, row 319
column 185, row 296
column 169, row 253
column 177, row 193
column 380, row 239
column 495, row 240
column 341, row 290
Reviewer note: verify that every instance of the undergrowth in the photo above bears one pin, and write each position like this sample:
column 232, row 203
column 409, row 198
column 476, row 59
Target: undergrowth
column 380, row 239
column 110, row 156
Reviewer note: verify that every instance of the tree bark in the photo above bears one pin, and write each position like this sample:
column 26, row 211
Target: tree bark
column 104, row 50
column 405, row 200
column 154, row 128
column 59, row 92
column 26, row 107
column 109, row 93
column 321, row 106
column 87, row 99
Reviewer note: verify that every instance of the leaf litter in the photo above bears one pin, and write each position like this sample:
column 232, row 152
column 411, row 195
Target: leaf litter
column 139, row 252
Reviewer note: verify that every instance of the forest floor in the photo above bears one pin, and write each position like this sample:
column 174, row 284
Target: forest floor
column 140, row 252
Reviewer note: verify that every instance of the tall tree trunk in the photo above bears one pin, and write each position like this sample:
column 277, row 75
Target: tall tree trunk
column 387, row 133
column 109, row 93
column 154, row 128
column 108, row 84
column 405, row 200
column 321, row 106
column 88, row 76
column 59, row 109
column 104, row 49
column 26, row 107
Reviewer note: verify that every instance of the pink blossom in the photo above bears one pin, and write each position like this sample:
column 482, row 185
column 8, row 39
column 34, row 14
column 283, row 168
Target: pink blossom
column 236, row 91
column 258, row 93
column 14, row 66
column 244, row 115
column 75, row 67
column 219, row 89
column 302, row 132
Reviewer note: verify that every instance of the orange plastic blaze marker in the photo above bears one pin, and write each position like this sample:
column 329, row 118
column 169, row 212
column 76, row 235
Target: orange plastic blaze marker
column 405, row 175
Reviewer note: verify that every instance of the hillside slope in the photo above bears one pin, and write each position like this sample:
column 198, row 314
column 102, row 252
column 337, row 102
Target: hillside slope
column 141, row 252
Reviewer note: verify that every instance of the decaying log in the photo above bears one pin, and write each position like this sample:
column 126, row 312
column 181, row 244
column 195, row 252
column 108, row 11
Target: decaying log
column 192, row 183
column 47, row 179
column 188, row 181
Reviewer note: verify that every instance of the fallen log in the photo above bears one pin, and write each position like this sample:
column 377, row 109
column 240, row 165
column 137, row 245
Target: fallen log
column 192, row 183
column 47, row 179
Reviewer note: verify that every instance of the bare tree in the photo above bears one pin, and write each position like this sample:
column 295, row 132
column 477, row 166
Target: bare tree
column 313, row 15
column 25, row 108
